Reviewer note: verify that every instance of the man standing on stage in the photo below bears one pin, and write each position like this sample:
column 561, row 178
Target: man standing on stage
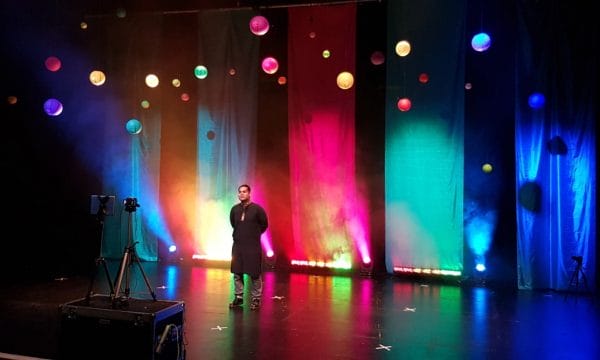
column 249, row 221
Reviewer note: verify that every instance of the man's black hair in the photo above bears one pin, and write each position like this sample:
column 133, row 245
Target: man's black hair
column 245, row 185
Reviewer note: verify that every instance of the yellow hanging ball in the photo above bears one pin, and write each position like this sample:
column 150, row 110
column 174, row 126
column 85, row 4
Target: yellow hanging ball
column 487, row 168
column 403, row 48
column 345, row 80
column 97, row 77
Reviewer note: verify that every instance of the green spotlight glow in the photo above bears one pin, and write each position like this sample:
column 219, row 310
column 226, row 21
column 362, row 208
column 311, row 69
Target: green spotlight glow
column 424, row 191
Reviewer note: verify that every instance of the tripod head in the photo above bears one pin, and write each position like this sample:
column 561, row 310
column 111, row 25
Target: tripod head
column 131, row 204
column 101, row 214
column 102, row 206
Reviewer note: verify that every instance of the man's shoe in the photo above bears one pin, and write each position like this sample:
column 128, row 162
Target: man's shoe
column 237, row 301
column 255, row 304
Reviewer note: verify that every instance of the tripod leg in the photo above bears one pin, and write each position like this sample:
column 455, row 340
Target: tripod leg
column 122, row 267
column 92, row 281
column 584, row 280
column 137, row 260
column 574, row 278
column 110, row 284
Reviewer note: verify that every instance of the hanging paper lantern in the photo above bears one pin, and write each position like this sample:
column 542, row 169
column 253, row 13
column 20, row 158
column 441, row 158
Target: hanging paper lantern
column 53, row 107
column 11, row 100
column 97, row 77
column 326, row 54
column 176, row 82
column 404, row 104
column 201, row 72
column 259, row 25
column 481, row 42
column 151, row 80
column 312, row 34
column 468, row 86
column 83, row 25
column 423, row 78
column 403, row 48
column 145, row 104
column 486, row 168
column 52, row 63
column 133, row 126
column 345, row 80
column 282, row 80
column 185, row 97
column 377, row 58
column 270, row 65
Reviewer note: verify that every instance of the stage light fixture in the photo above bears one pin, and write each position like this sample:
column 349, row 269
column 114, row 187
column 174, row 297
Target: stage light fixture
column 366, row 267
column 172, row 255
column 270, row 260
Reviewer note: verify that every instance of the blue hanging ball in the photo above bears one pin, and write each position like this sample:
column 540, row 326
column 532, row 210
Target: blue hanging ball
column 133, row 126
column 53, row 107
column 481, row 42
column 536, row 101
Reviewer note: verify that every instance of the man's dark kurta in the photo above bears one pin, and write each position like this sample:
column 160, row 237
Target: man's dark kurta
column 246, row 253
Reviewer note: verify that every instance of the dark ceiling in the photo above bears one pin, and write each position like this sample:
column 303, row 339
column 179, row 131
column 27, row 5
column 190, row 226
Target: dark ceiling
column 97, row 6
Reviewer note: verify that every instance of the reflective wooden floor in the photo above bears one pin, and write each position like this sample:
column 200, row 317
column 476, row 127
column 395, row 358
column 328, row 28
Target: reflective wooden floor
column 309, row 316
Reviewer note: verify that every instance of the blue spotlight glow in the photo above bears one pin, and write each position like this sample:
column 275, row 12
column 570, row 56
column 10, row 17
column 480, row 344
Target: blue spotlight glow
column 479, row 231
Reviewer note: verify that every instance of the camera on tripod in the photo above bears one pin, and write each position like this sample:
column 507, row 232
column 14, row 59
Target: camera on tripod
column 577, row 259
column 121, row 298
column 131, row 204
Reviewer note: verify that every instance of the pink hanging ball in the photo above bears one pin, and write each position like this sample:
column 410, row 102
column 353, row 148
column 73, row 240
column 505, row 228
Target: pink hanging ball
column 377, row 58
column 404, row 104
column 259, row 25
column 53, row 63
column 270, row 65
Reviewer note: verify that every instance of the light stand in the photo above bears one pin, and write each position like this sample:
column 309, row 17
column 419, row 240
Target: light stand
column 121, row 298
column 577, row 273
column 101, row 206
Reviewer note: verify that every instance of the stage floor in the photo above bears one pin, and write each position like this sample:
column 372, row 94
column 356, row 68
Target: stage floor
column 310, row 316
